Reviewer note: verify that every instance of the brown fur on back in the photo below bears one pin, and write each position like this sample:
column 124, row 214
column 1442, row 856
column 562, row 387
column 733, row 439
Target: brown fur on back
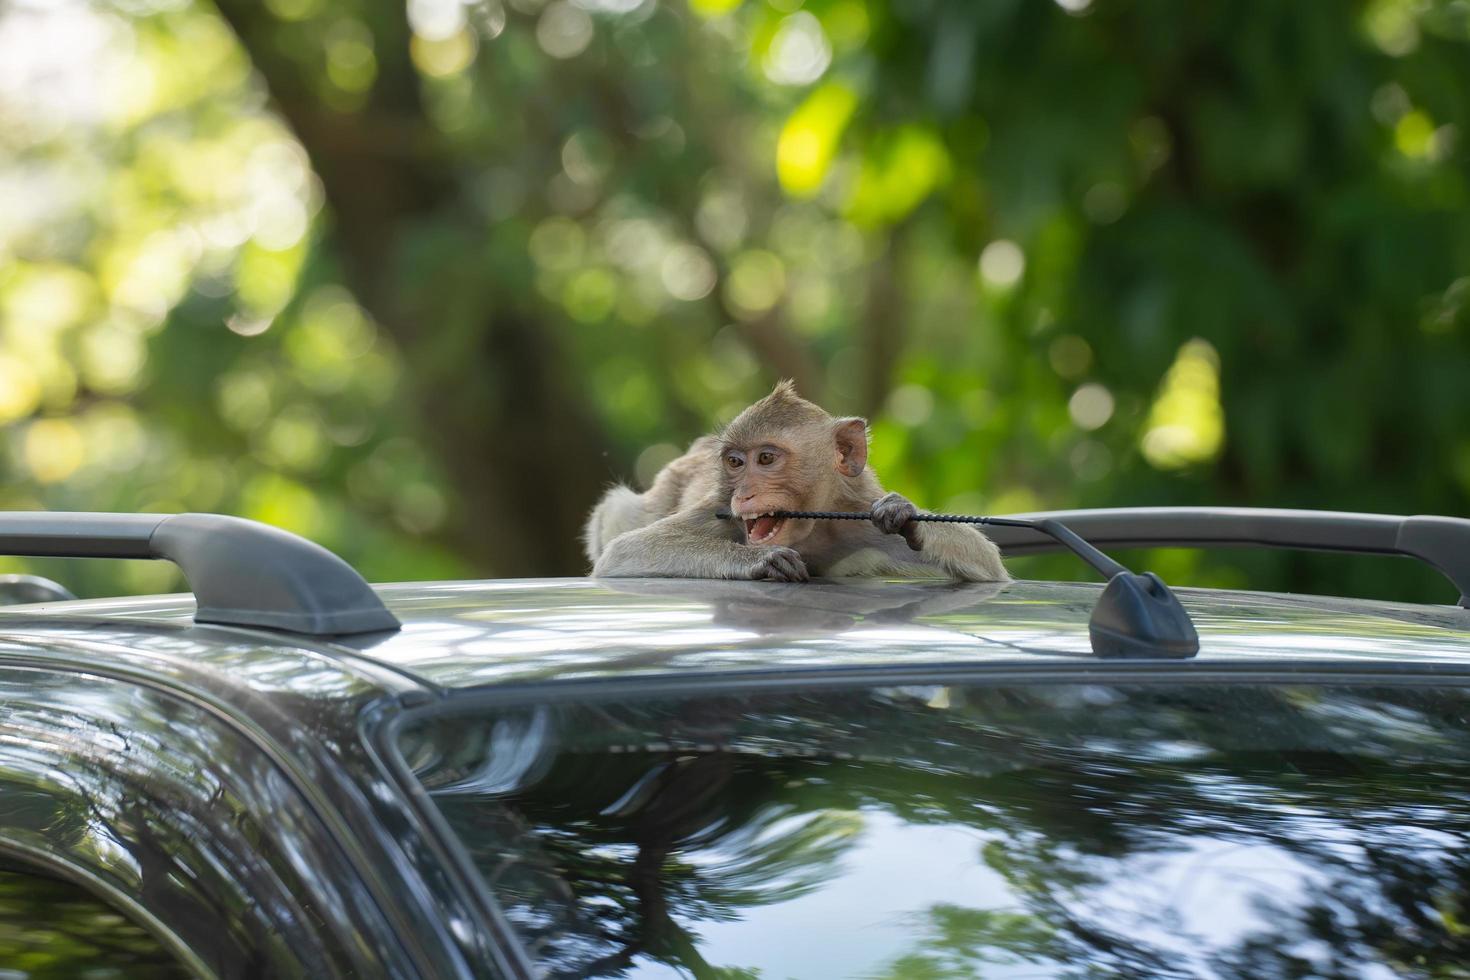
column 688, row 480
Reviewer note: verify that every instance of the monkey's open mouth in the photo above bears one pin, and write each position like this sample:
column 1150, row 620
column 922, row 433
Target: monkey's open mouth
column 759, row 530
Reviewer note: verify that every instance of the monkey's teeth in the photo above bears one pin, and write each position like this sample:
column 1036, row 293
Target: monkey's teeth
column 751, row 523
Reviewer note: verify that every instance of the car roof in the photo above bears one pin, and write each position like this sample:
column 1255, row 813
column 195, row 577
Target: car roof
column 465, row 634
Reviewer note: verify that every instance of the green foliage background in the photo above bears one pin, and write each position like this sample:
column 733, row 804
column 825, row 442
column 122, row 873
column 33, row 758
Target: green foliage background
column 419, row 280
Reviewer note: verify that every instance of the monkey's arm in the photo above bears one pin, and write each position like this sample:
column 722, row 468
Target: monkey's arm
column 695, row 544
column 962, row 550
column 621, row 509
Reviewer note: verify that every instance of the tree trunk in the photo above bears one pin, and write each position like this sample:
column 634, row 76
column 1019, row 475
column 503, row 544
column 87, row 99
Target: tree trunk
column 488, row 412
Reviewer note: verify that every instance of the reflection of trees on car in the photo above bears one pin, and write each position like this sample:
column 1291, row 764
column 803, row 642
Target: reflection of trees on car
column 52, row 928
column 1244, row 830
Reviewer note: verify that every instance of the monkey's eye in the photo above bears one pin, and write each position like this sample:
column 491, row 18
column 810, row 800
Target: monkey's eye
column 734, row 462
column 766, row 458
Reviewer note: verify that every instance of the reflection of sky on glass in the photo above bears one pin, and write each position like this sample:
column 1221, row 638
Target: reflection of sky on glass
column 1202, row 897
column 1198, row 897
column 863, row 918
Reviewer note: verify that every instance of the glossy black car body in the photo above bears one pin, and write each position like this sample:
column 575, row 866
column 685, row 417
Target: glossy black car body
column 238, row 792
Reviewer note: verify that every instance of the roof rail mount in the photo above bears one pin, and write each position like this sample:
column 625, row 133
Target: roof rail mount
column 1137, row 616
column 242, row 573
column 1443, row 543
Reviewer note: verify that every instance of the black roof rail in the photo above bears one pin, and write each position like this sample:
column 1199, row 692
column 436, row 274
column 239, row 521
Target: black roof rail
column 1441, row 542
column 242, row 573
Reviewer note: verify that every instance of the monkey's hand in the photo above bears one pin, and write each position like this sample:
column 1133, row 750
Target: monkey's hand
column 893, row 514
column 777, row 564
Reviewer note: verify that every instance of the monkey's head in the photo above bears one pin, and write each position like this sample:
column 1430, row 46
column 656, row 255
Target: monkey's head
column 785, row 453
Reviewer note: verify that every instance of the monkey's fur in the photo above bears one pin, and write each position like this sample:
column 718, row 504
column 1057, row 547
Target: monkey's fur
column 782, row 453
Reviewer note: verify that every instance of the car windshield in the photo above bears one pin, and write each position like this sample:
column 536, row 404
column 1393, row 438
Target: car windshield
column 941, row 831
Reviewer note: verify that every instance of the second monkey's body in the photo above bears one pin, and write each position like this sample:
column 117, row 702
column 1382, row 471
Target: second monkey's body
column 781, row 454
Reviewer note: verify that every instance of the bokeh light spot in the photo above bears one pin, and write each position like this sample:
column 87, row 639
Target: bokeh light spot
column 633, row 243
column 351, row 64
column 799, row 51
column 436, row 20
column 20, row 390
column 151, row 276
column 1413, row 134
column 557, row 243
column 1393, row 25
column 419, row 507
column 296, row 440
column 274, row 499
column 810, row 136
column 898, row 174
column 1070, row 356
column 295, row 9
column 1389, row 102
column 265, row 279
column 713, row 8
column 591, row 295
column 325, row 344
column 687, row 272
column 244, row 399
column 730, row 363
column 1186, row 424
column 847, row 24
column 54, row 450
column 112, row 358
column 756, row 282
column 443, row 57
column 1091, row 406
column 911, row 405
column 1002, row 263
column 563, row 31
column 1105, row 202
column 1090, row 460
column 45, row 298
column 247, row 326
column 115, row 439
column 586, row 157
column 722, row 217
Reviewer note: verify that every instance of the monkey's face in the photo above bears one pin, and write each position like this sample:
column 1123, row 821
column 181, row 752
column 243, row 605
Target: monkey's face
column 765, row 478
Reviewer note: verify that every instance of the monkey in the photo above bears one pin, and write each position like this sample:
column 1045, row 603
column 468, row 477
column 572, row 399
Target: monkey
column 781, row 453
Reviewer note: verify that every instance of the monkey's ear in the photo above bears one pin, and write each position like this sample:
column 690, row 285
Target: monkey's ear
column 852, row 446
